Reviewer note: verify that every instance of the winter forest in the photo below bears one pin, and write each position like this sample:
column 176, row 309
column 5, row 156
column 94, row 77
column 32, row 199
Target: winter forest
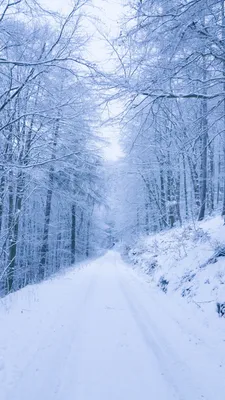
column 162, row 90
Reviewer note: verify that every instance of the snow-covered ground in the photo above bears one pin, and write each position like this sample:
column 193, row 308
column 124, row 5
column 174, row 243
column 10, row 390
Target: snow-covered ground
column 183, row 263
column 102, row 332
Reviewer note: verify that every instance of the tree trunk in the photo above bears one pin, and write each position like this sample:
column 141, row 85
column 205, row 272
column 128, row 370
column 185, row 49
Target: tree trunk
column 204, row 149
column 218, row 194
column 185, row 189
column 178, row 196
column 211, row 178
column 223, row 66
column 162, row 196
column 2, row 191
column 73, row 235
column 48, row 204
column 88, row 237
column 12, row 244
column 44, row 247
column 147, row 216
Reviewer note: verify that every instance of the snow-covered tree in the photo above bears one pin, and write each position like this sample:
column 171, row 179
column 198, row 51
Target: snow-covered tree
column 51, row 173
column 171, row 78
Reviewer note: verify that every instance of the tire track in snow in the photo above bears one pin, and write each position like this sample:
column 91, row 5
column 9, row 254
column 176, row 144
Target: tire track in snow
column 181, row 383
column 38, row 370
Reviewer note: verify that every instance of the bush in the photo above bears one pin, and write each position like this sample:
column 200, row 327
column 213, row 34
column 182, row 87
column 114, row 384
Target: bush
column 186, row 292
column 221, row 309
column 220, row 251
column 188, row 277
column 163, row 284
column 151, row 265
column 199, row 235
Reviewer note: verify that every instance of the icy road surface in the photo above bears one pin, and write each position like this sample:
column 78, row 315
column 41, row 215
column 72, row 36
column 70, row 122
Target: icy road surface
column 101, row 333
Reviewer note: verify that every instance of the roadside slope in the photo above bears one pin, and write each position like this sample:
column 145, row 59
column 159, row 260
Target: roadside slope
column 186, row 263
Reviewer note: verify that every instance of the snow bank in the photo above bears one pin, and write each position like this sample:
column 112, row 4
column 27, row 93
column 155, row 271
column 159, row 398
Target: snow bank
column 29, row 319
column 187, row 263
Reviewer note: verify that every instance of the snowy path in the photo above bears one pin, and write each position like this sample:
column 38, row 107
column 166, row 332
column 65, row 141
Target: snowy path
column 100, row 334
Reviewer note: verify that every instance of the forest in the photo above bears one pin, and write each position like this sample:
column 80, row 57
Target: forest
column 60, row 200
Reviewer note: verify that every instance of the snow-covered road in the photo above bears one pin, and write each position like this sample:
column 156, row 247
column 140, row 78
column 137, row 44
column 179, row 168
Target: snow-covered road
column 99, row 333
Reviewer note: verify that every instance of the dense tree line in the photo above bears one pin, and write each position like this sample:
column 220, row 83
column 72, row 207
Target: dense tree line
column 50, row 169
column 170, row 78
column 171, row 74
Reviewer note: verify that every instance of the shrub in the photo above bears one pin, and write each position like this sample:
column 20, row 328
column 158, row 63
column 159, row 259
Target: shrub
column 163, row 284
column 151, row 265
column 221, row 309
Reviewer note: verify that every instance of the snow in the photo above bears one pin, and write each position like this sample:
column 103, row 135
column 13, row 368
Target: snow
column 181, row 257
column 104, row 332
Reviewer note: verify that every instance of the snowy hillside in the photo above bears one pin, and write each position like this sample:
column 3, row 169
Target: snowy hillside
column 186, row 262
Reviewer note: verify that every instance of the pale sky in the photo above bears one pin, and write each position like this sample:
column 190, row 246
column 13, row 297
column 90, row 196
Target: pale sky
column 109, row 12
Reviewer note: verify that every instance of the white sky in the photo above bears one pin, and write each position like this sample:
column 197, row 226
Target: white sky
column 109, row 13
